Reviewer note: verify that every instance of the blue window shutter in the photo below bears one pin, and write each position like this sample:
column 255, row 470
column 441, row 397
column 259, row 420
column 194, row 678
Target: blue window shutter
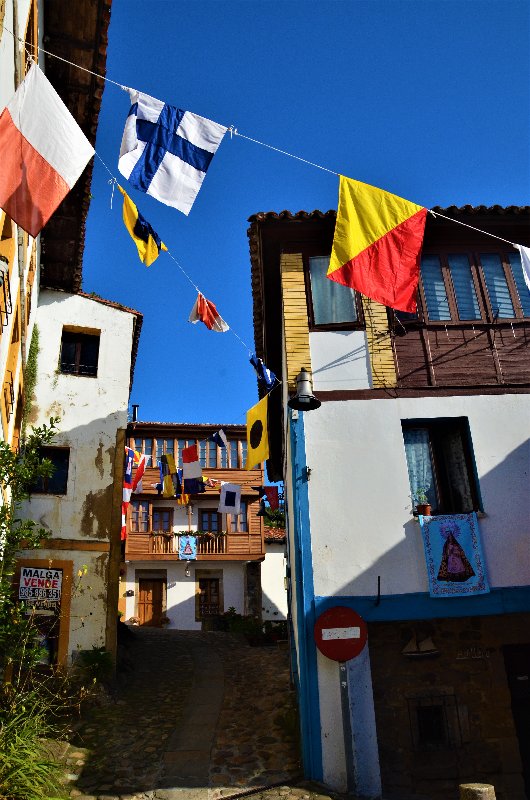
column 499, row 294
column 466, row 296
column 522, row 288
column 434, row 289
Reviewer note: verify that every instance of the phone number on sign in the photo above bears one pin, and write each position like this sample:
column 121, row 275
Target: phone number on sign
column 27, row 593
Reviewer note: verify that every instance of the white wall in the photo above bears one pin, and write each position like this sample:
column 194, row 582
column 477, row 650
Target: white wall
column 181, row 590
column 360, row 508
column 273, row 591
column 91, row 410
column 339, row 360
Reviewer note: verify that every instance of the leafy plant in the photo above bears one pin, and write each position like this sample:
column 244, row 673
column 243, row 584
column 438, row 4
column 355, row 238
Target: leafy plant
column 96, row 663
column 420, row 495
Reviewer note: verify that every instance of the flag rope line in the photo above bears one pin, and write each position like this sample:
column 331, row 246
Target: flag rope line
column 284, row 152
column 235, row 132
column 458, row 222
column 170, row 254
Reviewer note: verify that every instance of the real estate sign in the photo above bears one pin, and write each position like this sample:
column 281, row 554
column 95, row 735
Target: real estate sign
column 37, row 585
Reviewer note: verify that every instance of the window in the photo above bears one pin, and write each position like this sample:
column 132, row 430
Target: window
column 79, row 353
column 243, row 454
column 162, row 519
column 210, row 520
column 239, row 522
column 60, row 458
column 139, row 516
column 223, row 456
column 207, row 454
column 209, row 597
column 182, row 443
column 164, row 447
column 234, row 461
column 436, row 722
column 439, row 461
column 331, row 302
column 454, row 283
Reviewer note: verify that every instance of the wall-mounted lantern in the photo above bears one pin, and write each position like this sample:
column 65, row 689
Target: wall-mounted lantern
column 304, row 399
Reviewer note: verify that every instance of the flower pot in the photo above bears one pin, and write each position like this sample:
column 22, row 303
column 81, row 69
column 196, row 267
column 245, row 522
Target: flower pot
column 424, row 509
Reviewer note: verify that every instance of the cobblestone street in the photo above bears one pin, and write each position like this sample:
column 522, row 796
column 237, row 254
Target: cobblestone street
column 195, row 715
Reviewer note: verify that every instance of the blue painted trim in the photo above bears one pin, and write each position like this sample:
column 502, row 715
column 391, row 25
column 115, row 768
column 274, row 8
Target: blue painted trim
column 421, row 606
column 309, row 702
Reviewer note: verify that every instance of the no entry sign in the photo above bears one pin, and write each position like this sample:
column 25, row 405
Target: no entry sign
column 340, row 633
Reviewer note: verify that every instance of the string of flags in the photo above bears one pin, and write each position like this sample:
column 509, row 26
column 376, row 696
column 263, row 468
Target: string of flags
column 189, row 480
column 166, row 152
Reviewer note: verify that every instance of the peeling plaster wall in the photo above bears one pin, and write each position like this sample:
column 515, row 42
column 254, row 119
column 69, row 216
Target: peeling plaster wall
column 91, row 410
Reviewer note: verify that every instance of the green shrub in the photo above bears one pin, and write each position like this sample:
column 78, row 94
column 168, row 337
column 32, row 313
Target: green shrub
column 28, row 769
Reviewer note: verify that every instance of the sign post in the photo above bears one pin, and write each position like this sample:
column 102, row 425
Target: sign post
column 341, row 634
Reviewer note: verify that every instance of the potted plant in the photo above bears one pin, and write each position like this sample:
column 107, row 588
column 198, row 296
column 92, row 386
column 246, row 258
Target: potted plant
column 423, row 506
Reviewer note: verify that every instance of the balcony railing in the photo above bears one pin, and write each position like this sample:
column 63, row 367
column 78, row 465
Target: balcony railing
column 163, row 544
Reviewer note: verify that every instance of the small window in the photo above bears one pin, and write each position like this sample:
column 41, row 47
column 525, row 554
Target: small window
column 139, row 516
column 243, row 454
column 223, row 456
column 233, row 454
column 162, row 519
column 210, row 521
column 239, row 522
column 79, row 353
column 60, row 458
column 440, row 464
column 332, row 302
column 435, row 722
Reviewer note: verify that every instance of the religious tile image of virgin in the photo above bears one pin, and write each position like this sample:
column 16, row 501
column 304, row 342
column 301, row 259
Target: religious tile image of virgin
column 454, row 565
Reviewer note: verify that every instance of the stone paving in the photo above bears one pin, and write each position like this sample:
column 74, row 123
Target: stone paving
column 195, row 716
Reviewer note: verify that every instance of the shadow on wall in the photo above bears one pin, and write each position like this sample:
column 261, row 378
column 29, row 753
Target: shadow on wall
column 504, row 529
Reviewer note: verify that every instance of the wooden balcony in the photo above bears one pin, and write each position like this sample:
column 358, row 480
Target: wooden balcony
column 163, row 546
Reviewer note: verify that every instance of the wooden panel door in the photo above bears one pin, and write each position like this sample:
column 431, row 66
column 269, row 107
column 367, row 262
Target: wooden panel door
column 208, row 597
column 150, row 592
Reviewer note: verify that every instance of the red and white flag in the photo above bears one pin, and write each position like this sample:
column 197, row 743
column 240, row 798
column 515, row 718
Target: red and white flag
column 43, row 152
column 191, row 466
column 140, row 469
column 205, row 311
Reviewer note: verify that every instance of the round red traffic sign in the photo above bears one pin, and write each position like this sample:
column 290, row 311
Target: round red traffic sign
column 340, row 633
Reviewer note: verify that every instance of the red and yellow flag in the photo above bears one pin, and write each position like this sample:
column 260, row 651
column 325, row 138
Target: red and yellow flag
column 377, row 244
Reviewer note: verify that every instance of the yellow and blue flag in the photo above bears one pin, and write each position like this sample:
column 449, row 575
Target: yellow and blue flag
column 145, row 238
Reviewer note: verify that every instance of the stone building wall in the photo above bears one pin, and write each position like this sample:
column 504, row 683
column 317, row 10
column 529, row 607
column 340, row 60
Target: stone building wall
column 447, row 719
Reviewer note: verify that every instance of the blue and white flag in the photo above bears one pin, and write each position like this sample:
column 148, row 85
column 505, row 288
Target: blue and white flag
column 219, row 437
column 266, row 376
column 165, row 151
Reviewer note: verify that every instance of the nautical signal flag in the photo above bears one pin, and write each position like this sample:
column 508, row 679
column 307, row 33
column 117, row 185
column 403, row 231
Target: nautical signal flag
column 44, row 151
column 230, row 499
column 265, row 376
column 127, row 489
column 145, row 238
column 377, row 244
column 165, row 151
column 191, row 467
column 205, row 311
column 257, row 433
column 219, row 437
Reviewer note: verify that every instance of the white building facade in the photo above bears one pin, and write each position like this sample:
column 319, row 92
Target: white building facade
column 417, row 723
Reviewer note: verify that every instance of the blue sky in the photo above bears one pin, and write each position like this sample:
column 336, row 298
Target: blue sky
column 426, row 99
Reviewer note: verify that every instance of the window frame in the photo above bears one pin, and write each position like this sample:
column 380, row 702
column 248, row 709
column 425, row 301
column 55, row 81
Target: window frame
column 210, row 512
column 233, row 521
column 359, row 324
column 41, row 486
column 81, row 334
column 160, row 510
column 479, row 282
column 435, row 428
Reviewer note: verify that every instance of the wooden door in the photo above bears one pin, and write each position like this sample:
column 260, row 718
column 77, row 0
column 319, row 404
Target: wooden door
column 517, row 663
column 208, row 597
column 150, row 593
